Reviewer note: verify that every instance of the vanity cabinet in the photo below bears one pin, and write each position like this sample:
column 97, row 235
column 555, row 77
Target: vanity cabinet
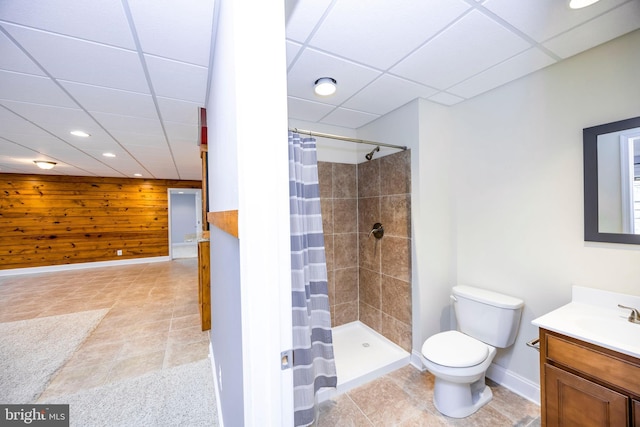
column 586, row 385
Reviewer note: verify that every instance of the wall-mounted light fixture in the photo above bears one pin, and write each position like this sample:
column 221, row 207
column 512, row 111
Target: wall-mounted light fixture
column 43, row 164
column 579, row 4
column 325, row 86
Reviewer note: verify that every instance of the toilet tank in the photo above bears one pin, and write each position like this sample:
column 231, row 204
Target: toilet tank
column 488, row 316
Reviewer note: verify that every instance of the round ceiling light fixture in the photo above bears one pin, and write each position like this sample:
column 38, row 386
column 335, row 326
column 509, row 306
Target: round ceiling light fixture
column 579, row 4
column 325, row 86
column 43, row 164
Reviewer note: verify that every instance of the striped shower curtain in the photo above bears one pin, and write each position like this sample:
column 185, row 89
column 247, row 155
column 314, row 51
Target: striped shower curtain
column 313, row 363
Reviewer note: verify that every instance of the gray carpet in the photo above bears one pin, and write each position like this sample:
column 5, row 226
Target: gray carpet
column 181, row 396
column 32, row 351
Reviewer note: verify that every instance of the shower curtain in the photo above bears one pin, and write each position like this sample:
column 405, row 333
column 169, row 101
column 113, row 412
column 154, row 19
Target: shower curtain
column 313, row 362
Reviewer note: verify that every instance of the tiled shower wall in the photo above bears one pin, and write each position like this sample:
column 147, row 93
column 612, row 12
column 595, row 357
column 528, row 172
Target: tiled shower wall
column 369, row 279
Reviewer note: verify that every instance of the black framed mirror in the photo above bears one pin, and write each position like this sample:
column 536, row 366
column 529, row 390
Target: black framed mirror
column 612, row 182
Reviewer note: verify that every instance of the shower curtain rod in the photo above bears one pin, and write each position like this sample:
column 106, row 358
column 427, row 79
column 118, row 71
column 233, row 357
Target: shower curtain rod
column 345, row 138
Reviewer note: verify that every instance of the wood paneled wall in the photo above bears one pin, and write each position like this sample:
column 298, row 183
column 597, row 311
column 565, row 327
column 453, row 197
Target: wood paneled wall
column 53, row 220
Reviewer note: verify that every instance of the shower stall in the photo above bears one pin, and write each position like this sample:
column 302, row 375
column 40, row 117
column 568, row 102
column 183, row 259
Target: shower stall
column 369, row 273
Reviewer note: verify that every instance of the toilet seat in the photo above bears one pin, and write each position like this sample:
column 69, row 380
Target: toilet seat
column 454, row 349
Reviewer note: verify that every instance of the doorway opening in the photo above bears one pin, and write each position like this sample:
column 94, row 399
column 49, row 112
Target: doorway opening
column 185, row 222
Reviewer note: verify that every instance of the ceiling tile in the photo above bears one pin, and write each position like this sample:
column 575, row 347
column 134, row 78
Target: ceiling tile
column 14, row 59
column 34, row 89
column 301, row 21
column 76, row 18
column 292, row 51
column 303, row 109
column 511, row 69
column 176, row 30
column 114, row 101
column 361, row 41
column 312, row 65
column 119, row 125
column 445, row 98
column 387, row 93
column 76, row 60
column 543, row 19
column 172, row 79
column 181, row 131
column 348, row 118
column 609, row 26
column 59, row 121
column 470, row 46
column 176, row 110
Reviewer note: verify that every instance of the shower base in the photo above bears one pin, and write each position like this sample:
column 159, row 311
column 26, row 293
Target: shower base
column 361, row 355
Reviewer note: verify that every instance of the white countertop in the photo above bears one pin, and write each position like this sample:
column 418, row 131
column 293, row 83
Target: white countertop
column 593, row 316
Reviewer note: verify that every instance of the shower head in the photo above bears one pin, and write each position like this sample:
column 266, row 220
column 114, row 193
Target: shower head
column 370, row 155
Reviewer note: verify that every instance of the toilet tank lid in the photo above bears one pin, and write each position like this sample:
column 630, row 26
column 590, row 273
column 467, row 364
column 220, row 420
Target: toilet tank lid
column 487, row 297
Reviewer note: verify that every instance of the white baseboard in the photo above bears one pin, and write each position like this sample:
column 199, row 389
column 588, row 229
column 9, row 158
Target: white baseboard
column 416, row 361
column 79, row 266
column 514, row 382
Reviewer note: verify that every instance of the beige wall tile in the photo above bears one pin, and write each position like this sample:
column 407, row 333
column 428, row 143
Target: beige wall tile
column 344, row 181
column 346, row 285
column 369, row 283
column 396, row 257
column 396, row 298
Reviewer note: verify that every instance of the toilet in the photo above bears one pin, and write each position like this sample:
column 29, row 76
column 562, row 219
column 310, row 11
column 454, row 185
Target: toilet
column 459, row 359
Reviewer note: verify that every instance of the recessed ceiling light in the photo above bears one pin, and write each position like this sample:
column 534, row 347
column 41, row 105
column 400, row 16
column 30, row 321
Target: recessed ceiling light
column 325, row 86
column 43, row 164
column 579, row 4
column 108, row 154
column 80, row 133
column 137, row 174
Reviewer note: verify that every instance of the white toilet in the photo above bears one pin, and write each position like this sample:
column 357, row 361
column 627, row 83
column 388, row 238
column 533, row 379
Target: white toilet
column 459, row 359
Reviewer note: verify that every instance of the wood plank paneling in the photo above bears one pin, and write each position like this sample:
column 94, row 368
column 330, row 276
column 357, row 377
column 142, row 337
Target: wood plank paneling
column 53, row 220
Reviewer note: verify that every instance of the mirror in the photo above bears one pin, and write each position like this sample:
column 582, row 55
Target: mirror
column 612, row 182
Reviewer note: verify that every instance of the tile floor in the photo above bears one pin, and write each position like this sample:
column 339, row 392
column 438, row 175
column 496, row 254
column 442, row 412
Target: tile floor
column 404, row 398
column 152, row 322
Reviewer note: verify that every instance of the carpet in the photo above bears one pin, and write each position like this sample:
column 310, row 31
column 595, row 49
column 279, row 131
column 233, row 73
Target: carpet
column 33, row 350
column 179, row 396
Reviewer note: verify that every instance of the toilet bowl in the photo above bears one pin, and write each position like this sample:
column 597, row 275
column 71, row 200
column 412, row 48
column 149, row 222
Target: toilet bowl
column 459, row 359
column 458, row 363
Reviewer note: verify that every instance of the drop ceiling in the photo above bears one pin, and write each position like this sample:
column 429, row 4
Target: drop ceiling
column 132, row 73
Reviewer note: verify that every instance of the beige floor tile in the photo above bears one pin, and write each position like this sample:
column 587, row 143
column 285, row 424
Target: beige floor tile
column 192, row 320
column 133, row 337
column 341, row 411
column 384, row 403
column 180, row 355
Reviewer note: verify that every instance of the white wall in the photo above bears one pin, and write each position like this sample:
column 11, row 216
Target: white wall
column 331, row 150
column 248, row 171
column 183, row 217
column 519, row 193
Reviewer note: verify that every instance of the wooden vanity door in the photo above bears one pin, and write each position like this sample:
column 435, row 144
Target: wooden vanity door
column 574, row 401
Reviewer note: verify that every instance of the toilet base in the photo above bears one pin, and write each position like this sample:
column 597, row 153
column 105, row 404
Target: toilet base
column 459, row 400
